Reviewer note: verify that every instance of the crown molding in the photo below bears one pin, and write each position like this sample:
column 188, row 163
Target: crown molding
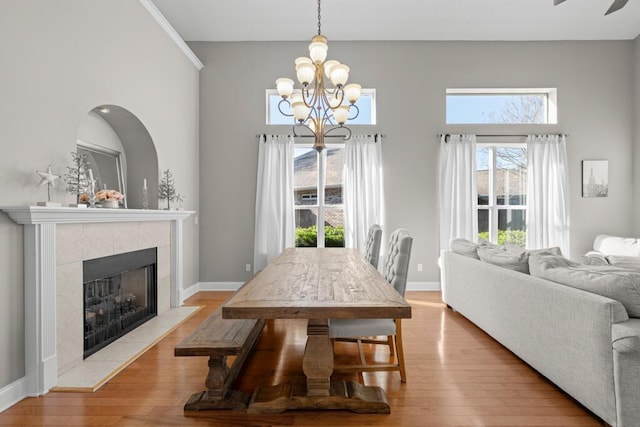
column 171, row 32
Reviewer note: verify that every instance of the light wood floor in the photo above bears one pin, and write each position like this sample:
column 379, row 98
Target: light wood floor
column 457, row 376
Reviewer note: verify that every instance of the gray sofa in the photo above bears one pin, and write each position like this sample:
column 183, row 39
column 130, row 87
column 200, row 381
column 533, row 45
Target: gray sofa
column 583, row 342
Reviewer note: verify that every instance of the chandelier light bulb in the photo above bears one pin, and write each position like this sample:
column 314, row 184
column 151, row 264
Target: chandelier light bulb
column 339, row 75
column 300, row 111
column 328, row 65
column 296, row 96
column 302, row 60
column 318, row 49
column 341, row 114
column 333, row 101
column 285, row 87
column 305, row 73
column 352, row 92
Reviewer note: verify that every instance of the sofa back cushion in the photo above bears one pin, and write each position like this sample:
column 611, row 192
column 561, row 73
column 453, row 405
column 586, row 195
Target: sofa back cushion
column 464, row 247
column 626, row 262
column 609, row 281
column 614, row 245
column 518, row 261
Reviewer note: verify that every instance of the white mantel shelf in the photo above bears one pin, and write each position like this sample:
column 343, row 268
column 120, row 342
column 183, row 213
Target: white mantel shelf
column 63, row 215
column 39, row 224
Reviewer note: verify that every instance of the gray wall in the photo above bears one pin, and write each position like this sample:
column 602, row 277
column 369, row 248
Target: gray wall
column 59, row 60
column 593, row 81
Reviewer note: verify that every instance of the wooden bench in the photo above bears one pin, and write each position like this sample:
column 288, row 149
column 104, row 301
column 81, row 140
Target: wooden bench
column 218, row 338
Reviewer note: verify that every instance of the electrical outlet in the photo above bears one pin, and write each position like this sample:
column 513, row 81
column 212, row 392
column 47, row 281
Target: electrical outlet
column 247, row 267
column 419, row 267
column 195, row 220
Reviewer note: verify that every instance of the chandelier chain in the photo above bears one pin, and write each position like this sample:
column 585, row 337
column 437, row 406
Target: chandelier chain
column 319, row 32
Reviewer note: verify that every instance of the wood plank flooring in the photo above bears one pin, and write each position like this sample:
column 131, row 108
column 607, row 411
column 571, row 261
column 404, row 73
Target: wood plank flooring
column 457, row 376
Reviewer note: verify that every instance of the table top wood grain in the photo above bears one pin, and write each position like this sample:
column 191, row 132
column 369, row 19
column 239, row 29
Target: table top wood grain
column 317, row 283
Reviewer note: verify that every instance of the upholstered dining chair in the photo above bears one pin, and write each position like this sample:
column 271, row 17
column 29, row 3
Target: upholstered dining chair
column 395, row 269
column 372, row 250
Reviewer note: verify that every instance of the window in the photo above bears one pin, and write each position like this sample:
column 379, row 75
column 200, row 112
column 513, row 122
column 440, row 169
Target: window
column 502, row 106
column 366, row 103
column 501, row 176
column 317, row 190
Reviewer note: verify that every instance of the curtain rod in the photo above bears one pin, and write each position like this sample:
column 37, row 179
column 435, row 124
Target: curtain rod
column 486, row 135
column 376, row 136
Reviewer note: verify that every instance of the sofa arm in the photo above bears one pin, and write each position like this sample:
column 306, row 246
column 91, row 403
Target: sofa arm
column 625, row 336
column 626, row 368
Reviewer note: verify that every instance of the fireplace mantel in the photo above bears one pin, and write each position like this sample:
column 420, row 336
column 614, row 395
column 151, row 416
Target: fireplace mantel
column 39, row 224
column 47, row 215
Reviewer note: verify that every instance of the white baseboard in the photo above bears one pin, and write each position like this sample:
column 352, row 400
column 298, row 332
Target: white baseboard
column 423, row 286
column 211, row 286
column 13, row 393
column 189, row 292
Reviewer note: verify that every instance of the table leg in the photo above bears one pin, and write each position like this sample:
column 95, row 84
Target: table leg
column 320, row 392
column 317, row 363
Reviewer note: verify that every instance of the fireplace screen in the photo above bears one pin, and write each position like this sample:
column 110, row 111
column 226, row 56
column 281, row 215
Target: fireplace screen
column 119, row 295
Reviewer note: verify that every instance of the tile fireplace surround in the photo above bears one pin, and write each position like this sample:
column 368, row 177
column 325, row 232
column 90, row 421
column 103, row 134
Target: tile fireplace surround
column 56, row 242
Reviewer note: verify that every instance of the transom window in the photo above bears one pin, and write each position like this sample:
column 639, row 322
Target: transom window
column 366, row 103
column 501, row 177
column 502, row 106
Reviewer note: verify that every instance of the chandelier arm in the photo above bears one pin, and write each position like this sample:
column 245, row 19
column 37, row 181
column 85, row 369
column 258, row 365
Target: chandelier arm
column 357, row 111
column 297, row 125
column 345, row 128
column 318, row 88
column 327, row 116
column 286, row 101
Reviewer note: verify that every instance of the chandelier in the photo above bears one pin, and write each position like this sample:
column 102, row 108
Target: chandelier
column 319, row 105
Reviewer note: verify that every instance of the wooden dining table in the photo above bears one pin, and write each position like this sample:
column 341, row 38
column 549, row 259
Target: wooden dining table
column 318, row 284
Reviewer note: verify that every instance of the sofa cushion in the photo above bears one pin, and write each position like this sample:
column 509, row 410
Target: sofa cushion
column 609, row 281
column 464, row 247
column 517, row 261
column 614, row 245
column 511, row 247
column 594, row 258
column 626, row 262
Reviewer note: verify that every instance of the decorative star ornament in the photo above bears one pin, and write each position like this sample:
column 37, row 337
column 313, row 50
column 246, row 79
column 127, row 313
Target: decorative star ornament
column 48, row 177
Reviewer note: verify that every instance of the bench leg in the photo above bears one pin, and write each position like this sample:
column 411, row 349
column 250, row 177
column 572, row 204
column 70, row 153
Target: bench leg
column 218, row 395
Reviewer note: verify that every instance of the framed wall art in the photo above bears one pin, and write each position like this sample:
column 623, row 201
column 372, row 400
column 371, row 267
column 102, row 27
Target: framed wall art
column 595, row 178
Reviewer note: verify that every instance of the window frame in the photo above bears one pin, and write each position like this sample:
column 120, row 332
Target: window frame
column 550, row 102
column 493, row 208
column 320, row 204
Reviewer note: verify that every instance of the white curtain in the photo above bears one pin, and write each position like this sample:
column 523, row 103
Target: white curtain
column 275, row 220
column 458, row 190
column 547, row 192
column 362, row 187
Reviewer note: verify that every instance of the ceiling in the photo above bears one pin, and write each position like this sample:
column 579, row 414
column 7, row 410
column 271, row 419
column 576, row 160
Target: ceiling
column 277, row 20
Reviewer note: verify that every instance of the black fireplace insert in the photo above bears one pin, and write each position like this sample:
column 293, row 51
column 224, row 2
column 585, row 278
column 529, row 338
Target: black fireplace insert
column 120, row 294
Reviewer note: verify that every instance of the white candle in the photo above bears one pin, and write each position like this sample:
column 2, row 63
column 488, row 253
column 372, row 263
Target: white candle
column 144, row 185
column 90, row 176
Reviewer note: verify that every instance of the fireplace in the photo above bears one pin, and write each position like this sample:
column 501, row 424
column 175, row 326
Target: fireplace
column 120, row 294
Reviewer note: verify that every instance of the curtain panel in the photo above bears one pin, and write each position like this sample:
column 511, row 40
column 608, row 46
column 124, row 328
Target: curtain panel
column 362, row 189
column 275, row 220
column 547, row 192
column 457, row 189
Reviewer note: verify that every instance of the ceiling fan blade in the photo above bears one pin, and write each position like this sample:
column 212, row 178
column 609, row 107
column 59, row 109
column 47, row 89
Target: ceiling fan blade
column 617, row 4
column 557, row 2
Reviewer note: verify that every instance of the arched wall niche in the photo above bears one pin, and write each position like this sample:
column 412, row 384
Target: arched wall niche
column 116, row 128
